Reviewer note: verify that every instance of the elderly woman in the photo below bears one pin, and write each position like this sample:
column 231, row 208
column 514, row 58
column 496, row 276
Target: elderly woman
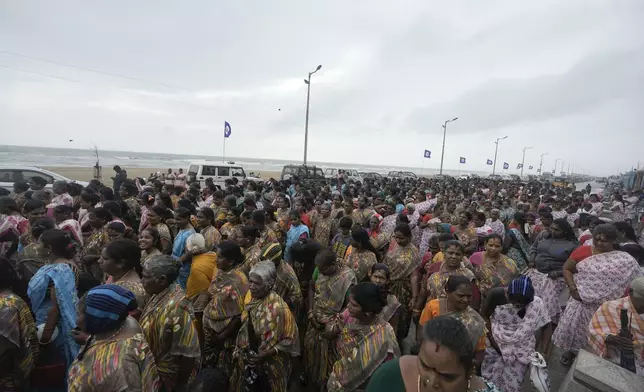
column 121, row 261
column 116, row 356
column 203, row 266
column 604, row 335
column 364, row 339
column 513, row 316
column 600, row 277
column 268, row 337
column 168, row 324
column 19, row 343
column 327, row 296
column 222, row 315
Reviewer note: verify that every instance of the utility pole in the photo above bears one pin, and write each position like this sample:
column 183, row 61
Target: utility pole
column 523, row 159
column 308, row 100
column 444, row 134
column 496, row 150
column 541, row 163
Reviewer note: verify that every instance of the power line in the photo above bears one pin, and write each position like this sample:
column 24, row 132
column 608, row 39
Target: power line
column 105, row 86
column 94, row 70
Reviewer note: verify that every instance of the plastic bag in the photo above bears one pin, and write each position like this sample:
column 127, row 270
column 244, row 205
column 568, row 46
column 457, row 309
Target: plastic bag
column 539, row 373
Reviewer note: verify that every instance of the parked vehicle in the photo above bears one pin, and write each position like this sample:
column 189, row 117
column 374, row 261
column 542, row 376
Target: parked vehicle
column 308, row 175
column 10, row 174
column 352, row 174
column 402, row 175
column 218, row 171
column 371, row 176
column 464, row 176
column 496, row 177
column 560, row 182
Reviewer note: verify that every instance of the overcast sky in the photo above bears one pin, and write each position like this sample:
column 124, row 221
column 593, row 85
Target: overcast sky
column 563, row 77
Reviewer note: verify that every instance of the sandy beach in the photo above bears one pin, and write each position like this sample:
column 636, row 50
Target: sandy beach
column 86, row 174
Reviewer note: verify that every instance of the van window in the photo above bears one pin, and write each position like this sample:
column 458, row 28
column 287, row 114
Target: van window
column 289, row 170
column 27, row 175
column 194, row 169
column 318, row 173
column 209, row 170
column 223, row 171
column 329, row 172
column 237, row 172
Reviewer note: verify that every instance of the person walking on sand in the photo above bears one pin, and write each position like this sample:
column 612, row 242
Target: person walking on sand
column 119, row 179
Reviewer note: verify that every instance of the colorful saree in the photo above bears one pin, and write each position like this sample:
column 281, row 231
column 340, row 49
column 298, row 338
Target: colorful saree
column 516, row 339
column 491, row 274
column 323, row 229
column 292, row 236
column 168, row 325
column 361, row 263
column 329, row 299
column 212, row 237
column 548, row 290
column 252, row 256
column 287, row 286
column 273, row 327
column 115, row 365
column 519, row 249
column 469, row 317
column 361, row 350
column 599, row 278
column 227, row 291
column 606, row 321
column 135, row 286
column 178, row 248
column 74, row 228
column 17, row 327
column 436, row 281
column 266, row 237
column 402, row 261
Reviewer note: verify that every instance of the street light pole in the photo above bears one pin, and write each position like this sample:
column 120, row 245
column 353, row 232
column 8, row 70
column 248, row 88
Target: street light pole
column 308, row 101
column 496, row 150
column 445, row 133
column 541, row 163
column 555, row 170
column 523, row 159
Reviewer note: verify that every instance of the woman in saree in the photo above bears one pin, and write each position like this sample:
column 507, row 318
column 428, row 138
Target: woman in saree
column 147, row 202
column 251, row 250
column 602, row 276
column 364, row 340
column 33, row 210
column 121, row 261
column 31, row 258
column 268, row 337
column 63, row 214
column 12, row 226
column 403, row 262
column 548, row 256
column 604, row 335
column 495, row 269
column 206, row 225
column 444, row 363
column 456, row 303
column 297, row 231
column 379, row 239
column 231, row 230
column 168, row 324
column 18, row 340
column 618, row 209
column 513, row 319
column 287, row 285
column 150, row 244
column 324, row 225
column 515, row 241
column 363, row 255
column 466, row 233
column 182, row 221
column 453, row 252
column 327, row 296
column 380, row 275
column 157, row 216
column 267, row 235
column 222, row 315
column 89, row 255
column 116, row 356
column 53, row 297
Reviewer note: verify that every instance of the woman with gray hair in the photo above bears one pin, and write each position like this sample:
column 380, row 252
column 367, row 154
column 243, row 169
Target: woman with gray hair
column 268, row 338
column 168, row 324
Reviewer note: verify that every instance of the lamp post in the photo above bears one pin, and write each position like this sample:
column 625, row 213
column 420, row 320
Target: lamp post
column 496, row 150
column 555, row 169
column 541, row 163
column 523, row 159
column 308, row 100
column 444, row 133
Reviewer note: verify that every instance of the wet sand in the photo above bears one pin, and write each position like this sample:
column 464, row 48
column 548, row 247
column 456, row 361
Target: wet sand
column 86, row 173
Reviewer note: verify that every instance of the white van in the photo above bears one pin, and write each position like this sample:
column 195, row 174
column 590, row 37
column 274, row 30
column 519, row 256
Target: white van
column 218, row 171
column 352, row 174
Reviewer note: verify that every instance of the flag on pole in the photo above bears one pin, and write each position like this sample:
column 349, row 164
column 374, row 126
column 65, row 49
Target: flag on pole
column 462, row 160
column 428, row 154
column 538, row 170
column 519, row 166
column 506, row 165
column 530, row 167
column 227, row 129
column 489, row 162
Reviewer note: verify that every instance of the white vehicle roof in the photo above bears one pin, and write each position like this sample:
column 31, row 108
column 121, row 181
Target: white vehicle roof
column 34, row 168
column 215, row 163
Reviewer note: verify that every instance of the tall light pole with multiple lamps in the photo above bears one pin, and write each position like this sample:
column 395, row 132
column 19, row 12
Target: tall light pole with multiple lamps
column 496, row 150
column 445, row 133
column 541, row 163
column 554, row 171
column 308, row 101
column 523, row 159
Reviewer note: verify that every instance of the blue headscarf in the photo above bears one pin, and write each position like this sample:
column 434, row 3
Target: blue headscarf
column 106, row 307
column 522, row 286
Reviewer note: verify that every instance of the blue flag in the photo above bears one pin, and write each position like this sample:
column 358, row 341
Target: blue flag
column 530, row 167
column 428, row 154
column 227, row 129
column 489, row 162
column 462, row 160
column 506, row 165
column 538, row 170
column 519, row 165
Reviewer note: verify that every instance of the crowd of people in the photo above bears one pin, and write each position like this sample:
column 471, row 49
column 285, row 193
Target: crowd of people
column 175, row 286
